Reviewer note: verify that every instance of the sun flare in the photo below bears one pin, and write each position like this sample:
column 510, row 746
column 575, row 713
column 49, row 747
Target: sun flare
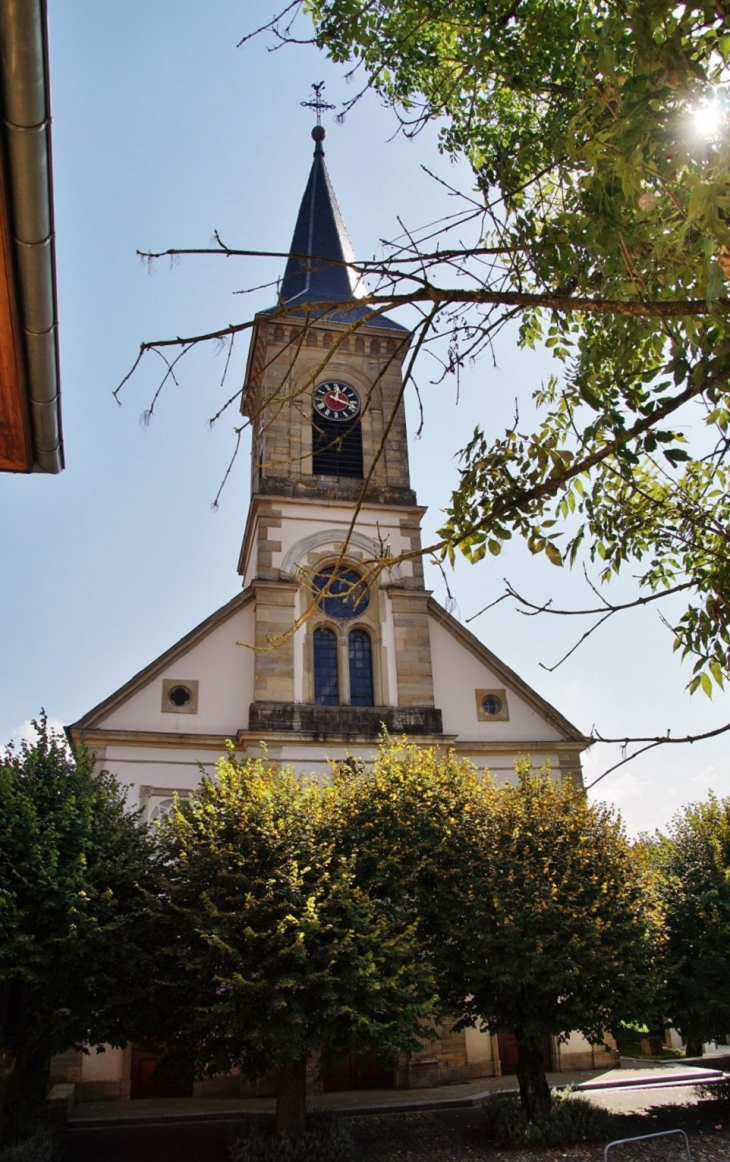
column 708, row 119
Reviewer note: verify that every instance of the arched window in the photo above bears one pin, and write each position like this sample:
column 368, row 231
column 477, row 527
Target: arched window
column 361, row 668
column 326, row 691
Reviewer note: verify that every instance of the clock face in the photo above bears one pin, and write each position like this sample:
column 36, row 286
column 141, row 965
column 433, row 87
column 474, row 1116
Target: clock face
column 336, row 401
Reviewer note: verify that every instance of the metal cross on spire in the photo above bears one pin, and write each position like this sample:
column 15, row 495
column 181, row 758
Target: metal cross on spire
column 317, row 102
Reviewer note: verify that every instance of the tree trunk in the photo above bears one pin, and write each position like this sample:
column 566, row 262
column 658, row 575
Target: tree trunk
column 23, row 1087
column 694, row 1047
column 8, row 1098
column 5, row 1106
column 534, row 1089
column 291, row 1100
column 9, row 1107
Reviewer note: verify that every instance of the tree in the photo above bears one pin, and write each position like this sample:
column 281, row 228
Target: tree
column 693, row 861
column 537, row 914
column 597, row 133
column 273, row 952
column 563, row 934
column 71, row 864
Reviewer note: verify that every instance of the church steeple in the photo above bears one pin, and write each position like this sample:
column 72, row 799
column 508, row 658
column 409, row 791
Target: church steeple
column 319, row 268
column 323, row 388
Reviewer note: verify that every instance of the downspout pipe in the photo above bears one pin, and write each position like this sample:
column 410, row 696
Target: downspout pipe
column 27, row 132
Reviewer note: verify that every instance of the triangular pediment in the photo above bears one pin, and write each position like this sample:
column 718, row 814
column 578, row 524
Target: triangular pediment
column 466, row 671
column 208, row 657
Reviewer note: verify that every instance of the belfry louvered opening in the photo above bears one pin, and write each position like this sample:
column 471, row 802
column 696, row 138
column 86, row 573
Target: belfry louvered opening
column 337, row 448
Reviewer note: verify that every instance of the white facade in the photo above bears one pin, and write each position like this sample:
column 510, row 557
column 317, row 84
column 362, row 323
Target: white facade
column 155, row 749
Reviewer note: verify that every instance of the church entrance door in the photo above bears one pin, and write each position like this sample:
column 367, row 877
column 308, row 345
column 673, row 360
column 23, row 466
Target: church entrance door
column 357, row 1071
column 508, row 1053
column 146, row 1082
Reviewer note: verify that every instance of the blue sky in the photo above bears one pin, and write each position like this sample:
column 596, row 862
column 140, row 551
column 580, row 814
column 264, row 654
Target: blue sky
column 164, row 131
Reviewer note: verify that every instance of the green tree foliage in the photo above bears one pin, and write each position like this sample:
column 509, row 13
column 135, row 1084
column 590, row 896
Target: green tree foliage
column 693, row 861
column 535, row 911
column 71, row 862
column 563, row 915
column 274, row 951
column 606, row 211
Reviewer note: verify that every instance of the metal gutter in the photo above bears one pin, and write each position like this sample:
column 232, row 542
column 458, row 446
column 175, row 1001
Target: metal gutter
column 24, row 93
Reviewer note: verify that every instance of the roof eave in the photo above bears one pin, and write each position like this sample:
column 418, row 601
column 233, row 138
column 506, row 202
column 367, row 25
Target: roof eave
column 318, row 315
column 28, row 197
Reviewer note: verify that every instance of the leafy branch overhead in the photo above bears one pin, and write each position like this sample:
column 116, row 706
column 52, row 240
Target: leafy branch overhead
column 597, row 134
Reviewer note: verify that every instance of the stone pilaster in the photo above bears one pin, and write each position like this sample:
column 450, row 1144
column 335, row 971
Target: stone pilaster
column 411, row 531
column 412, row 647
column 274, row 642
column 268, row 518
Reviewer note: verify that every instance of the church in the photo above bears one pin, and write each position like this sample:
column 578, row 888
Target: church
column 333, row 634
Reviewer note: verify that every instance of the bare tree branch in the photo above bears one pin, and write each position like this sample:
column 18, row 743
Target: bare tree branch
column 238, row 432
column 272, row 25
column 658, row 740
column 547, row 606
column 583, row 638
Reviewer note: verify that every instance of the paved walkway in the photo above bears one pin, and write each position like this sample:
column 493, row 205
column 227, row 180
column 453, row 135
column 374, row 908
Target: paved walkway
column 166, row 1110
column 440, row 1134
column 633, row 1075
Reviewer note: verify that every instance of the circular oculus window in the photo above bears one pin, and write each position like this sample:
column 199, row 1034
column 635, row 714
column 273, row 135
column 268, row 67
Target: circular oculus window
column 341, row 594
column 180, row 696
column 492, row 705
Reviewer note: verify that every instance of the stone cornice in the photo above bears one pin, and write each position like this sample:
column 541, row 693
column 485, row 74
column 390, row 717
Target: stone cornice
column 102, row 736
column 260, row 499
column 244, row 739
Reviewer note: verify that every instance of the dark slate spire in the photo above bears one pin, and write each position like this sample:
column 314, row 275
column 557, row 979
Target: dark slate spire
column 318, row 270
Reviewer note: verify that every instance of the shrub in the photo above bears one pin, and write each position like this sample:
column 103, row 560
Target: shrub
column 571, row 1119
column 325, row 1140
column 42, row 1146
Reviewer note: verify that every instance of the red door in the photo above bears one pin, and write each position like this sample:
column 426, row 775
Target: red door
column 357, row 1071
column 147, row 1082
column 508, row 1053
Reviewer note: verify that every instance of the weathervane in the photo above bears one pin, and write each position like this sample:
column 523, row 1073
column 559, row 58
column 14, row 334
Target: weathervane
column 318, row 102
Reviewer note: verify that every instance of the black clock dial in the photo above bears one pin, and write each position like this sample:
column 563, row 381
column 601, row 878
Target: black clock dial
column 334, row 400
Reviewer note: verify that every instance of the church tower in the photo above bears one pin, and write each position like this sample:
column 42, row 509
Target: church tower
column 341, row 627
